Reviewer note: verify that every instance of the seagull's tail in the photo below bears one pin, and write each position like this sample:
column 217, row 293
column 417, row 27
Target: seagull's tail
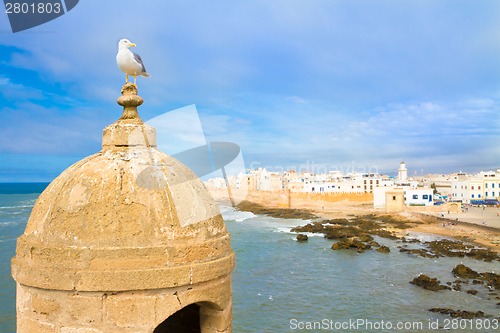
column 145, row 74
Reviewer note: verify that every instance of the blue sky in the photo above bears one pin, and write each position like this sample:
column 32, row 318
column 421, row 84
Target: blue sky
column 341, row 84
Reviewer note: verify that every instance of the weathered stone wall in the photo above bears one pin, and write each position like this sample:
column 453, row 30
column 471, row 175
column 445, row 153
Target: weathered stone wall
column 291, row 199
column 49, row 311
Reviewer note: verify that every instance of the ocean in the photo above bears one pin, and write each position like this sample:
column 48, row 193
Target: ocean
column 281, row 285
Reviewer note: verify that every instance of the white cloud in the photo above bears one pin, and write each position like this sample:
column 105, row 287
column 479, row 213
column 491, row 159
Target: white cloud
column 286, row 80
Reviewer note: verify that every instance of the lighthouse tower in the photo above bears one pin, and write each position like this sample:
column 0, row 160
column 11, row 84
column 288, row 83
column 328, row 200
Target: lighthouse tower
column 126, row 240
column 402, row 172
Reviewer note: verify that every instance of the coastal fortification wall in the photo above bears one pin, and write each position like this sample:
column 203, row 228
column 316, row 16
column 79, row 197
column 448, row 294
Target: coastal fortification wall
column 288, row 199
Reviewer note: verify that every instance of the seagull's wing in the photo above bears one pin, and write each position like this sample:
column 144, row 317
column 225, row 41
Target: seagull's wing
column 139, row 60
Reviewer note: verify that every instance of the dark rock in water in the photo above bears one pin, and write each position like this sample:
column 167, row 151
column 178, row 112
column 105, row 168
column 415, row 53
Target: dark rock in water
column 410, row 240
column 302, row 238
column 314, row 227
column 471, row 291
column 338, row 221
column 349, row 243
column 364, row 227
column 448, row 248
column 483, row 254
column 492, row 279
column 451, row 248
column 459, row 313
column 365, row 238
column 465, row 272
column 374, row 244
column 384, row 249
column 429, row 283
column 457, row 287
column 421, row 252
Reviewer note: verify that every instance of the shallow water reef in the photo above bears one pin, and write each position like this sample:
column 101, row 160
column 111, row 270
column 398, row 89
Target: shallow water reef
column 468, row 281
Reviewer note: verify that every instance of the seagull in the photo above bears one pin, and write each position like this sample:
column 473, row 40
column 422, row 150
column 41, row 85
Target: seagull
column 129, row 62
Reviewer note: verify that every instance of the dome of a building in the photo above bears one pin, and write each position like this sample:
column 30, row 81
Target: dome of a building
column 129, row 218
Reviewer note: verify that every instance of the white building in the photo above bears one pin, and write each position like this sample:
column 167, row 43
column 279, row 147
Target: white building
column 337, row 183
column 477, row 188
column 419, row 196
column 413, row 195
column 491, row 181
column 460, row 191
column 402, row 172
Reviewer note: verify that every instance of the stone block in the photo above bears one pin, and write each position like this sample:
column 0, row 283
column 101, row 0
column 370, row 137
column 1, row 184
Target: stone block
column 45, row 306
column 83, row 310
column 28, row 325
column 129, row 310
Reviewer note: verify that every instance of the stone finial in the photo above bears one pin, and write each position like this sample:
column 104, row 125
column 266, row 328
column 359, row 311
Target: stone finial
column 130, row 101
column 129, row 130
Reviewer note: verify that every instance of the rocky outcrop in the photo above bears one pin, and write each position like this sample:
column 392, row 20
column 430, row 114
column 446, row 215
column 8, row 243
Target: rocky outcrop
column 384, row 249
column 356, row 233
column 450, row 248
column 349, row 243
column 491, row 279
column 302, row 238
column 429, row 283
column 465, row 272
column 459, row 313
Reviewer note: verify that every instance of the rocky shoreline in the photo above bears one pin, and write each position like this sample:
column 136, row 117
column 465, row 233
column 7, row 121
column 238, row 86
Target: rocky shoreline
column 358, row 233
column 469, row 281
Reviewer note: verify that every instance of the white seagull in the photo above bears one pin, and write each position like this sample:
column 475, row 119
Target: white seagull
column 129, row 62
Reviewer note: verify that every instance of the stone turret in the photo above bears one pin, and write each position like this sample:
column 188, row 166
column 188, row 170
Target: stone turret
column 124, row 241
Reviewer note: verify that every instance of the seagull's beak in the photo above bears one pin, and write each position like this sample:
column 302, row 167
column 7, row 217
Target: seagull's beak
column 132, row 44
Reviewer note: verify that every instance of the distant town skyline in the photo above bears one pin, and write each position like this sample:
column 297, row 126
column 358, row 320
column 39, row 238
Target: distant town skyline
column 337, row 83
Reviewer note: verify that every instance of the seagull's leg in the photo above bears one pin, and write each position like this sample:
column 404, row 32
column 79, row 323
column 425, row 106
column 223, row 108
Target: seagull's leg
column 126, row 78
column 135, row 77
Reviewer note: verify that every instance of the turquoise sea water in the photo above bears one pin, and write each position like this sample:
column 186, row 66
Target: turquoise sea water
column 16, row 202
column 280, row 285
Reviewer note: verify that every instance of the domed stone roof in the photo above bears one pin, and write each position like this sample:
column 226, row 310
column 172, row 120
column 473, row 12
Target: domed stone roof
column 127, row 218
